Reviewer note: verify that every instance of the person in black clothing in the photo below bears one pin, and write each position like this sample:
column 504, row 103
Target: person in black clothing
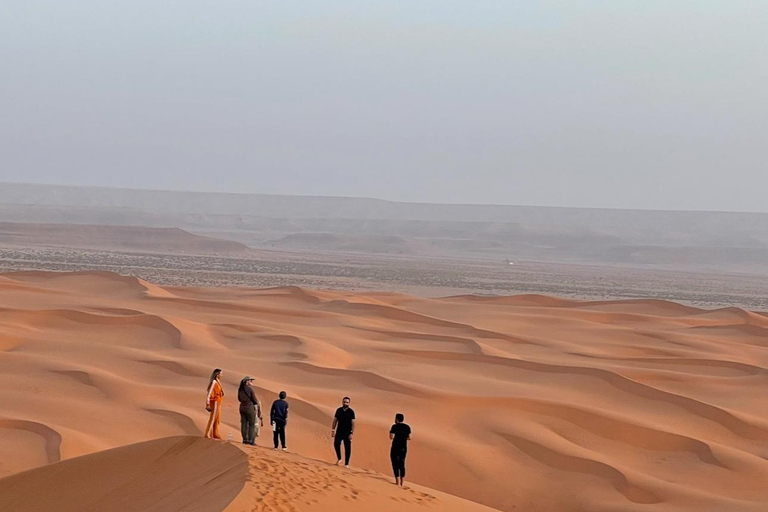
column 278, row 416
column 250, row 410
column 342, row 430
column 400, row 434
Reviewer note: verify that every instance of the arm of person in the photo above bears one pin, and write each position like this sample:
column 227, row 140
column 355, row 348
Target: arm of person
column 272, row 414
column 208, row 398
column 353, row 429
column 333, row 427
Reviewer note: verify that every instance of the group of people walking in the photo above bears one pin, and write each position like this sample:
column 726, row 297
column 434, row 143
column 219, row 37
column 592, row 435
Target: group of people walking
column 342, row 428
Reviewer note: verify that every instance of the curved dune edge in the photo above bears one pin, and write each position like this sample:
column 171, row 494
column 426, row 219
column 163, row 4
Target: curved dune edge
column 176, row 473
column 194, row 474
column 519, row 403
column 51, row 438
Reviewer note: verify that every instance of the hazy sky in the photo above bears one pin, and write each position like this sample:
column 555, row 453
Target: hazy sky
column 615, row 103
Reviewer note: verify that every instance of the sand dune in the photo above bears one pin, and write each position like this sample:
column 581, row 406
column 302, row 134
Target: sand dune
column 198, row 474
column 175, row 473
column 518, row 403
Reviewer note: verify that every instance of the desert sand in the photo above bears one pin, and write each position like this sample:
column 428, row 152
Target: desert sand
column 195, row 474
column 517, row 403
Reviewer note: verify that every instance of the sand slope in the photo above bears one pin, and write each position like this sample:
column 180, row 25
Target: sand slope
column 175, row 473
column 519, row 403
column 288, row 482
column 195, row 474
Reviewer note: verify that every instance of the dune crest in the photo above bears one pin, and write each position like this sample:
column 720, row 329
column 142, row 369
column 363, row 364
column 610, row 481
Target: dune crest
column 176, row 473
column 195, row 474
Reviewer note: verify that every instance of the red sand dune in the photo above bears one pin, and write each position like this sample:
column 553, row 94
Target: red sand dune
column 195, row 474
column 175, row 473
column 519, row 403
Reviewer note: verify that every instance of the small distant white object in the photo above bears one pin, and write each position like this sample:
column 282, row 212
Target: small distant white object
column 510, row 263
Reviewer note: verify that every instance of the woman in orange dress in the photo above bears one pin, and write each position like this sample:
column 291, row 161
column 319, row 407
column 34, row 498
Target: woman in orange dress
column 213, row 405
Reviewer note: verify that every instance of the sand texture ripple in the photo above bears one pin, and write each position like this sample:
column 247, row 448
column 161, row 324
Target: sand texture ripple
column 518, row 403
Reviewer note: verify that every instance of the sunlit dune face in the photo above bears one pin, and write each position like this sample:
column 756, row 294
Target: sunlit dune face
column 625, row 405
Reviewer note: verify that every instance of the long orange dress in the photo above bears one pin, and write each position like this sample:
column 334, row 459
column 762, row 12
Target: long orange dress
column 215, row 395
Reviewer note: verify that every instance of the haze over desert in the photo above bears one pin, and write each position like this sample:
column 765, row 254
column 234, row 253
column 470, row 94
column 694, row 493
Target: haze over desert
column 510, row 256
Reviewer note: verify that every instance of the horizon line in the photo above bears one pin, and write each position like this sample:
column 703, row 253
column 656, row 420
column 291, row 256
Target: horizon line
column 367, row 198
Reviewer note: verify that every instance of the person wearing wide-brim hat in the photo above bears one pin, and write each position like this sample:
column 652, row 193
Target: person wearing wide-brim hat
column 250, row 411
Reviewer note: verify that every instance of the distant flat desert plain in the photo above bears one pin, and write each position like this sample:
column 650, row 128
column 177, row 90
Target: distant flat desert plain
column 524, row 402
column 172, row 256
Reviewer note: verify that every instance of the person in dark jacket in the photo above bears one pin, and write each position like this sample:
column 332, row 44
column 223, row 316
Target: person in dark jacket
column 278, row 416
column 250, row 411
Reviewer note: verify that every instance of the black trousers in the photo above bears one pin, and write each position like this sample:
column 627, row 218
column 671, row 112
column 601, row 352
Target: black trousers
column 279, row 432
column 347, row 447
column 397, row 456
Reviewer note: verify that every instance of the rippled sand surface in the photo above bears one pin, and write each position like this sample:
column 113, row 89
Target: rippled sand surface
column 518, row 403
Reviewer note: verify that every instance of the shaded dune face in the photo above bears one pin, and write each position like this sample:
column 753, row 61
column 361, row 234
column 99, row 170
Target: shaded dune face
column 519, row 403
column 177, row 473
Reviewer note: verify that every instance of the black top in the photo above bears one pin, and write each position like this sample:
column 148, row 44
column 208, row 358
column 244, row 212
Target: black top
column 344, row 427
column 401, row 431
column 279, row 411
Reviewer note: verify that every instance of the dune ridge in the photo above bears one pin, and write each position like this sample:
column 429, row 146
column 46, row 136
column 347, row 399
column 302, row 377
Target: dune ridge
column 176, row 473
column 194, row 474
column 517, row 403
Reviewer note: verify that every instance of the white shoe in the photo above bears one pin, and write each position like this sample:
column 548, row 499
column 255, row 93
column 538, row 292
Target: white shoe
column 285, row 449
column 347, row 466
